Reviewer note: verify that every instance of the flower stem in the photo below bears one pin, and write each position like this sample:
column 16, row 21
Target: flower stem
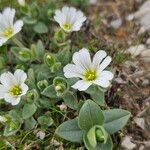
column 18, row 43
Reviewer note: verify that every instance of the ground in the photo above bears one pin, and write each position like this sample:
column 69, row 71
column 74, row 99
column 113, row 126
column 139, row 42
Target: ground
column 131, row 86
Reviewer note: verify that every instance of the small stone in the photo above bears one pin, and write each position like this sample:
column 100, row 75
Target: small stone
column 41, row 135
column 148, row 41
column 145, row 55
column 140, row 122
column 55, row 142
column 93, row 2
column 62, row 107
column 136, row 50
column 127, row 144
column 130, row 17
column 116, row 23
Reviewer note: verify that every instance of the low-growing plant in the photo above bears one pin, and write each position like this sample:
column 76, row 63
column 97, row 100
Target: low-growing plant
column 47, row 74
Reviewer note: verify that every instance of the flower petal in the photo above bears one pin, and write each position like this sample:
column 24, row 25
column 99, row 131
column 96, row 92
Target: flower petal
column 107, row 75
column 81, row 85
column 71, row 71
column 98, row 57
column 102, row 82
column 20, row 76
column 105, row 63
column 3, row 90
column 82, row 59
column 24, row 88
column 18, row 26
column 11, row 99
column 7, row 79
column 9, row 14
column 2, row 41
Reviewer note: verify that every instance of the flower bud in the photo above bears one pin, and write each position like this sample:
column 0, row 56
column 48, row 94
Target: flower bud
column 101, row 134
column 61, row 85
column 22, row 3
column 42, row 84
column 32, row 95
column 25, row 54
column 97, row 134
column 49, row 59
column 60, row 36
column 55, row 67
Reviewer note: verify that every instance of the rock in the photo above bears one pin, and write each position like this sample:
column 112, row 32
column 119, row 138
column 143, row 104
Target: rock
column 148, row 41
column 140, row 122
column 143, row 15
column 136, row 50
column 62, row 107
column 127, row 144
column 41, row 135
column 93, row 2
column 116, row 23
column 130, row 17
column 145, row 55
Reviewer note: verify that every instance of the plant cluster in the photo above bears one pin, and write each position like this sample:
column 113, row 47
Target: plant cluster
column 45, row 77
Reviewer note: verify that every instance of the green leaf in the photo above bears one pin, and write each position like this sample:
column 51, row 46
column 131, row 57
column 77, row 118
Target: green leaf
column 28, row 110
column 90, row 114
column 97, row 94
column 70, row 100
column 49, row 92
column 100, row 146
column 40, row 50
column 11, row 128
column 29, row 20
column 40, row 27
column 31, row 79
column 115, row 119
column 70, row 131
column 64, row 57
column 45, row 120
column 16, row 115
column 30, row 123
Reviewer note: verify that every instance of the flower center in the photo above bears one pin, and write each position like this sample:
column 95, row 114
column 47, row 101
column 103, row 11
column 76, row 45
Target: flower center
column 8, row 32
column 67, row 26
column 16, row 90
column 90, row 75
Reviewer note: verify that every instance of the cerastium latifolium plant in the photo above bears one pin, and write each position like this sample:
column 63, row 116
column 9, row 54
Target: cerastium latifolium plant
column 35, row 78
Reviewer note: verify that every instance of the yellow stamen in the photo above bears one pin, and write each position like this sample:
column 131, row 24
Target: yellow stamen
column 8, row 32
column 16, row 90
column 90, row 75
column 67, row 26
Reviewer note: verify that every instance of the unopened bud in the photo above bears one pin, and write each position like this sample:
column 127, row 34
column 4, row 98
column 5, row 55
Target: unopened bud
column 22, row 3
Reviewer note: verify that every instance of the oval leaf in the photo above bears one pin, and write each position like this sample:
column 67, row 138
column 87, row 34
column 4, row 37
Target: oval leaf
column 97, row 94
column 115, row 119
column 49, row 92
column 70, row 100
column 90, row 115
column 28, row 110
column 70, row 131
column 40, row 27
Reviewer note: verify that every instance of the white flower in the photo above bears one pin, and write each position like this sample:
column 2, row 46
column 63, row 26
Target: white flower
column 90, row 72
column 69, row 18
column 7, row 27
column 12, row 87
column 22, row 3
